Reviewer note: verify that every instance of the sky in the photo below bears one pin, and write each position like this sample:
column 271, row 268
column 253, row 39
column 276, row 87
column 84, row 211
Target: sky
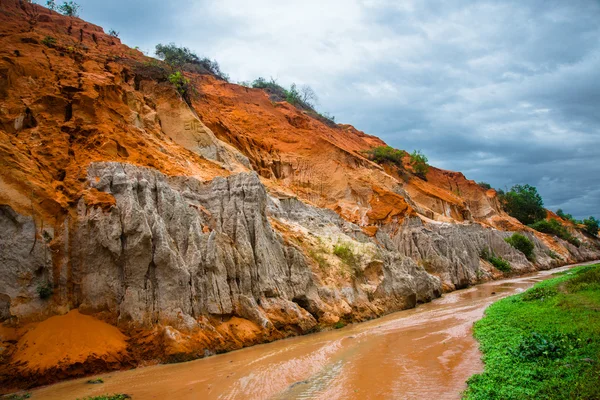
column 507, row 92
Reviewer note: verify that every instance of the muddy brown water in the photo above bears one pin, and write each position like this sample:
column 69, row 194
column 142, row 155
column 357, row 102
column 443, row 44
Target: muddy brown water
column 423, row 353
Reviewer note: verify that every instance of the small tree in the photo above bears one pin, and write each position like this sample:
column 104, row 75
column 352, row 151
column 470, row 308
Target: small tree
column 484, row 185
column 113, row 33
column 69, row 8
column 525, row 204
column 51, row 4
column 308, row 96
column 418, row 161
column 592, row 225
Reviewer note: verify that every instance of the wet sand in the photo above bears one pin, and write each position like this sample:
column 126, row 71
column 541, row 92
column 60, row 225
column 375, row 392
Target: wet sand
column 423, row 353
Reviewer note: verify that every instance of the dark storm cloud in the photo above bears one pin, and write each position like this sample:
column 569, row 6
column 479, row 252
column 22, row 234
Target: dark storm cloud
column 505, row 91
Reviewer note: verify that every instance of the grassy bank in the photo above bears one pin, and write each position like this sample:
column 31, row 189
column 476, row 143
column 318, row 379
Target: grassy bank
column 544, row 343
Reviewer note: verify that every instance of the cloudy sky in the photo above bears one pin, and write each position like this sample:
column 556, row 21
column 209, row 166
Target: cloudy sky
column 505, row 91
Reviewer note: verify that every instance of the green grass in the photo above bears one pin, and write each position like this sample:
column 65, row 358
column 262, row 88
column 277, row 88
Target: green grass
column 544, row 343
column 95, row 381
column 118, row 396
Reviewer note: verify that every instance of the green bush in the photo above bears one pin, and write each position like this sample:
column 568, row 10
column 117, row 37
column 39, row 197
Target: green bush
column 419, row 163
column 180, row 82
column 591, row 226
column 524, row 203
column 119, row 396
column 523, row 244
column 45, row 290
column 498, row 262
column 384, row 154
column 49, row 41
column 548, row 346
column 95, row 381
column 183, row 58
column 553, row 227
column 484, row 185
column 69, row 8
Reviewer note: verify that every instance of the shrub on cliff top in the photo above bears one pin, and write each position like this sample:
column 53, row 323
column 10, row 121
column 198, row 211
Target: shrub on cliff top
column 523, row 244
column 183, row 58
column 418, row 161
column 525, row 204
column 69, row 8
column 384, row 154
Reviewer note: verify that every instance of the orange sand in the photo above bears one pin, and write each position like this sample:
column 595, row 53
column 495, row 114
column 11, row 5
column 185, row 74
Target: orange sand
column 69, row 338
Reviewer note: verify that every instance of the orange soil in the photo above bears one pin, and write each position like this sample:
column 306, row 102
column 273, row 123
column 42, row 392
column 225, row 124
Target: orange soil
column 68, row 339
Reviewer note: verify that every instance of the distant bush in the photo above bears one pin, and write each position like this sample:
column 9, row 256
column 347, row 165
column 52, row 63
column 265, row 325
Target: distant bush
column 523, row 244
column 553, row 227
column 498, row 262
column 384, row 154
column 69, row 8
column 113, row 33
column 592, row 225
column 183, row 58
column 485, row 185
column 419, row 163
column 567, row 217
column 45, row 290
column 525, row 204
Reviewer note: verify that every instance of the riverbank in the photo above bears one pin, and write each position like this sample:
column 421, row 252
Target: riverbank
column 425, row 352
column 544, row 343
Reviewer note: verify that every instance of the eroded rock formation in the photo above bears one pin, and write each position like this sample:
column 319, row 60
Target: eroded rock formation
column 205, row 227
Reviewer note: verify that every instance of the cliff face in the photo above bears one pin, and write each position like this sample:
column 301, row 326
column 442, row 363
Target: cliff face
column 206, row 227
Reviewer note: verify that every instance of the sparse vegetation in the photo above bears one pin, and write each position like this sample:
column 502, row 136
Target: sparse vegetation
column 182, row 58
column 418, row 161
column 523, row 244
column 544, row 343
column 345, row 252
column 45, row 290
column 339, row 325
column 51, row 4
column 498, row 262
column 69, row 8
column 119, row 396
column 95, row 381
column 592, row 225
column 49, row 41
column 525, row 204
column 553, row 227
column 485, row 185
column 113, row 33
column 383, row 154
column 17, row 396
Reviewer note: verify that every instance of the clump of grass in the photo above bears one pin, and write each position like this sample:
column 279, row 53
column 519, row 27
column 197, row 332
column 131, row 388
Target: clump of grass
column 539, row 293
column 339, row 325
column 498, row 262
column 345, row 252
column 118, row 396
column 49, row 41
column 17, row 396
column 95, row 381
column 545, row 349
